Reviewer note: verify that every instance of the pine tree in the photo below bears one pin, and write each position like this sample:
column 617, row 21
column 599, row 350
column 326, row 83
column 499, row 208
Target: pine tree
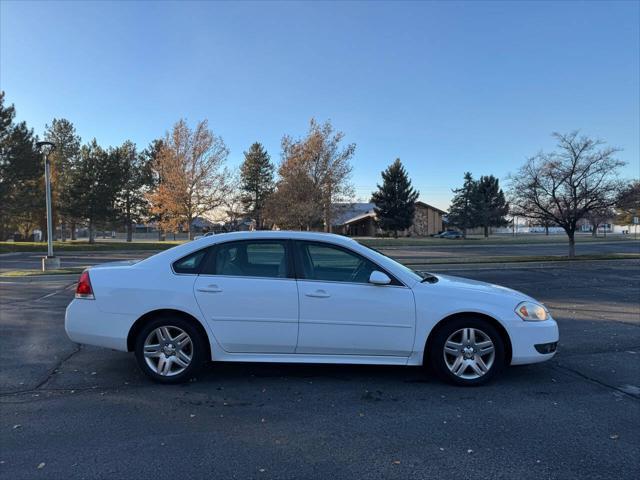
column 461, row 213
column 395, row 199
column 131, row 204
column 63, row 134
column 489, row 204
column 256, row 182
column 94, row 183
column 21, row 176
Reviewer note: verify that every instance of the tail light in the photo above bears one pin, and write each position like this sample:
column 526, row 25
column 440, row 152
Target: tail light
column 84, row 290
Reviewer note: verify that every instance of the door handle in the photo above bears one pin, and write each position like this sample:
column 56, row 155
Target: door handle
column 210, row 289
column 318, row 294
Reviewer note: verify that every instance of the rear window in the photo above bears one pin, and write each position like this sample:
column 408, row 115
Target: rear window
column 191, row 263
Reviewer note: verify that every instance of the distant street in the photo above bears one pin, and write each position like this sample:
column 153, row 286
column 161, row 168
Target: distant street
column 405, row 254
column 431, row 253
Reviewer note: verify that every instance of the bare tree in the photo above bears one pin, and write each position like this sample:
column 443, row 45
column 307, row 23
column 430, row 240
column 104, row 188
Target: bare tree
column 321, row 164
column 565, row 186
column 191, row 178
column 599, row 217
column 234, row 202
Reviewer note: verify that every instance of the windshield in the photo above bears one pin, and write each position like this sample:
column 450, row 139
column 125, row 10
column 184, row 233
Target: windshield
column 418, row 275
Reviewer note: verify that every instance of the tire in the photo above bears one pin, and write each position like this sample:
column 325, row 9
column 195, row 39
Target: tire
column 456, row 358
column 176, row 358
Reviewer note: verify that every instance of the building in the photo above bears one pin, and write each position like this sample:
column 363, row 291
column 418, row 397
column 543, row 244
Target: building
column 428, row 220
column 360, row 220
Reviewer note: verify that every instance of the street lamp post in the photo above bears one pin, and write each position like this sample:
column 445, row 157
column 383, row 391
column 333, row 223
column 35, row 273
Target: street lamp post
column 50, row 261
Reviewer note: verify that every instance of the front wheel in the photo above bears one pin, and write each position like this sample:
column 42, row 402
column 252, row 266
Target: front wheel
column 467, row 352
column 169, row 350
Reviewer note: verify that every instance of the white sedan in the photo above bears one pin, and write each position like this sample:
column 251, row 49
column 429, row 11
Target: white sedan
column 307, row 298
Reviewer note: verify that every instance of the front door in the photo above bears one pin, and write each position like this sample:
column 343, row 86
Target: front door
column 249, row 297
column 341, row 313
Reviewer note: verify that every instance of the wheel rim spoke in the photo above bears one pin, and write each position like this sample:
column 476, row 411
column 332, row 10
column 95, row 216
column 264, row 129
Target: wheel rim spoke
column 452, row 347
column 483, row 366
column 179, row 360
column 459, row 366
column 182, row 340
column 164, row 332
column 152, row 351
column 161, row 363
column 472, row 336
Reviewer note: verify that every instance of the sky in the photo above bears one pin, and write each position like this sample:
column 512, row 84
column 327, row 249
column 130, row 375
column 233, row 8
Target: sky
column 447, row 87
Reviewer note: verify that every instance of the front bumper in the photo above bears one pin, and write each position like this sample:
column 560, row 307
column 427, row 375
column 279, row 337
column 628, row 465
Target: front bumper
column 527, row 339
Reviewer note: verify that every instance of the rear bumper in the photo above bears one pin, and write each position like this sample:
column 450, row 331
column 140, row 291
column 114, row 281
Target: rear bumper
column 85, row 323
column 527, row 339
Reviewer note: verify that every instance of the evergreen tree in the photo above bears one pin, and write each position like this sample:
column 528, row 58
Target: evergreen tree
column 131, row 204
column 489, row 204
column 256, row 182
column 461, row 213
column 395, row 199
column 150, row 155
column 63, row 134
column 94, row 186
column 21, row 176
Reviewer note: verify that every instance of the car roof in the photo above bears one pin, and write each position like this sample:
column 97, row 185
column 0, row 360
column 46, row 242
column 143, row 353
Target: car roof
column 203, row 242
column 280, row 234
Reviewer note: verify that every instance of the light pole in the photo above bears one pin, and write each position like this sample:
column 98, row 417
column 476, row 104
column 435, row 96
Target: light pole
column 49, row 261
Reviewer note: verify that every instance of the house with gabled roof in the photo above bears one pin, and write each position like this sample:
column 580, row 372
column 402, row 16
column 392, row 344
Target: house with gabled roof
column 360, row 220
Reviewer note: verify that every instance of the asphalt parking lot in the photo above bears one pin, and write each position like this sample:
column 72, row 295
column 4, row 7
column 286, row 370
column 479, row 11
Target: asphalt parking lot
column 82, row 412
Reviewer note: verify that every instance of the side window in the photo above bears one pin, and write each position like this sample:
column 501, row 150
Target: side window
column 249, row 259
column 191, row 263
column 333, row 264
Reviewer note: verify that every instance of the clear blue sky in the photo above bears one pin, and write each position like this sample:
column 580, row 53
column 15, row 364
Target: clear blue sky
column 447, row 87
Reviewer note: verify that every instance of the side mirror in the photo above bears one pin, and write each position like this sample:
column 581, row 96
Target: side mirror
column 379, row 278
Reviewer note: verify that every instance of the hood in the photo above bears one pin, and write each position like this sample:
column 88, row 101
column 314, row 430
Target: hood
column 482, row 288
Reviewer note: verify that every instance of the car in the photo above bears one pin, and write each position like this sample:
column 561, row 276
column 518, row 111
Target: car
column 303, row 297
column 450, row 234
column 207, row 234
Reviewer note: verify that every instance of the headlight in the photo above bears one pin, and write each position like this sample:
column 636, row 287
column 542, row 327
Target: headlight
column 532, row 312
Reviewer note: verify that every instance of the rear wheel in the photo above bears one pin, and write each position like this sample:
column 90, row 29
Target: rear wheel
column 467, row 351
column 170, row 349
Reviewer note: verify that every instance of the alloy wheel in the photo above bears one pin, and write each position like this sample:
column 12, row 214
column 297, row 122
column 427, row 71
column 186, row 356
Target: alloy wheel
column 469, row 353
column 168, row 350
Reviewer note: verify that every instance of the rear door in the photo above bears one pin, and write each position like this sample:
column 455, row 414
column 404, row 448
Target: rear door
column 248, row 294
column 341, row 313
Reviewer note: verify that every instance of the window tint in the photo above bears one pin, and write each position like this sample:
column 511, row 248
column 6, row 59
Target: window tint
column 249, row 259
column 328, row 263
column 191, row 263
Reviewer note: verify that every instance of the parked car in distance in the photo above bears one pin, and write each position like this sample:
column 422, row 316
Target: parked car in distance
column 207, row 234
column 303, row 297
column 451, row 234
